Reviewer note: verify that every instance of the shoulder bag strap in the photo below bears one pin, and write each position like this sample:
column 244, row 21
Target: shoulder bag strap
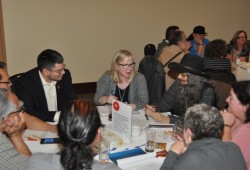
column 172, row 59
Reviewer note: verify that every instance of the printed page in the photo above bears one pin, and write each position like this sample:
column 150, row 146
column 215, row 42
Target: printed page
column 122, row 120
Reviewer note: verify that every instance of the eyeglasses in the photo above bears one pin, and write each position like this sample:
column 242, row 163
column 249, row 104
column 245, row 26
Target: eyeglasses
column 6, row 82
column 127, row 65
column 60, row 70
column 241, row 37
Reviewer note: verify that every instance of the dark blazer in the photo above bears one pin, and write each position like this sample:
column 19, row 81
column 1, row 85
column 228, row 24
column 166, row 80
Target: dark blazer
column 29, row 89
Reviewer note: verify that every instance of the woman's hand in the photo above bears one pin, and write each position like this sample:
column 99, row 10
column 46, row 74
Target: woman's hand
column 107, row 99
column 133, row 106
column 229, row 118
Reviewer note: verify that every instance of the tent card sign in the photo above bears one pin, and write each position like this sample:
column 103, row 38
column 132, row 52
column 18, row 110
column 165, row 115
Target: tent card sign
column 122, row 120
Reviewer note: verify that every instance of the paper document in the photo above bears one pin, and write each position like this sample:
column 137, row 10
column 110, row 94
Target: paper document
column 122, row 120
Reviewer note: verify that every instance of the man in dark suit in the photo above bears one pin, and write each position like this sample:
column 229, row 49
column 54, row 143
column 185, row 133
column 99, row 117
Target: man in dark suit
column 46, row 88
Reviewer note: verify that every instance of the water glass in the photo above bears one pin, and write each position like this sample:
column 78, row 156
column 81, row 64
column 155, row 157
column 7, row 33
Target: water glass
column 104, row 152
column 150, row 140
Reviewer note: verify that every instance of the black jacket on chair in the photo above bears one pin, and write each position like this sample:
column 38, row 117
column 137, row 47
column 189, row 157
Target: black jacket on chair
column 30, row 90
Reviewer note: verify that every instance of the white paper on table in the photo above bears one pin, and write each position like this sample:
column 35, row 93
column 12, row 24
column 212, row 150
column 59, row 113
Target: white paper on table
column 152, row 121
column 122, row 120
column 35, row 146
column 141, row 162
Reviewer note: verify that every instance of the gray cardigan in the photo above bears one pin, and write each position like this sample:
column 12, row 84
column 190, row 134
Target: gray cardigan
column 138, row 92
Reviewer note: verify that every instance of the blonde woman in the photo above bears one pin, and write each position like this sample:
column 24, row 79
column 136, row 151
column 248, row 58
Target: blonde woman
column 122, row 82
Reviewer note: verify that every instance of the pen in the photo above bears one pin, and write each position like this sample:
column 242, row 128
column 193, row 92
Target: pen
column 146, row 116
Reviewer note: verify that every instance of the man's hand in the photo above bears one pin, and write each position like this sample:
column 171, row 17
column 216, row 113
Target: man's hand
column 15, row 124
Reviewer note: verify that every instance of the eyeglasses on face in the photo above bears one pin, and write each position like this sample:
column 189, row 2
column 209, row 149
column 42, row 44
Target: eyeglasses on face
column 60, row 70
column 127, row 65
column 6, row 82
column 243, row 37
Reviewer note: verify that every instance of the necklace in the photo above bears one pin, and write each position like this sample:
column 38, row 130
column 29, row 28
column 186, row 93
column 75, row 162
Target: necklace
column 121, row 96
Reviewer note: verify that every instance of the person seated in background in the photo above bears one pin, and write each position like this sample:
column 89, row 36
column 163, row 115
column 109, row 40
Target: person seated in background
column 13, row 150
column 198, row 41
column 165, row 42
column 122, row 82
column 79, row 130
column 216, row 66
column 149, row 51
column 177, row 48
column 237, row 118
column 154, row 73
column 201, row 147
column 190, row 88
column 238, row 44
column 47, row 87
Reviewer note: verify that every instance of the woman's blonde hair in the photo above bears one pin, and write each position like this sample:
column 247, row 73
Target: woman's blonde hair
column 118, row 57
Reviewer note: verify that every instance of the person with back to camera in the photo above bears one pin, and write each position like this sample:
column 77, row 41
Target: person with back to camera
column 122, row 82
column 154, row 73
column 216, row 66
column 237, row 118
column 201, row 147
column 238, row 44
column 79, row 130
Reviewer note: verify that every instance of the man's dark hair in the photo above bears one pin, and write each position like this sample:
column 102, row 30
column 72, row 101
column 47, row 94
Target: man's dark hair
column 48, row 58
column 170, row 30
column 149, row 49
column 176, row 37
column 215, row 49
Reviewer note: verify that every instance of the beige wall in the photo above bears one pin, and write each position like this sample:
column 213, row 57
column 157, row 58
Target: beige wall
column 88, row 32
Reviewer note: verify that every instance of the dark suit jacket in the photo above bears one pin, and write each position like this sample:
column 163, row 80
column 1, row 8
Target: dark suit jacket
column 29, row 89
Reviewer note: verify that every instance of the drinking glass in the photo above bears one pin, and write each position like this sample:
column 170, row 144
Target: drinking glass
column 104, row 149
column 150, row 140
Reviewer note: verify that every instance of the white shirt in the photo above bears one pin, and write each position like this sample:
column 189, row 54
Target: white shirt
column 50, row 93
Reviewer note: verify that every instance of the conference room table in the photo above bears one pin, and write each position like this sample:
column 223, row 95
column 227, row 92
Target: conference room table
column 141, row 162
